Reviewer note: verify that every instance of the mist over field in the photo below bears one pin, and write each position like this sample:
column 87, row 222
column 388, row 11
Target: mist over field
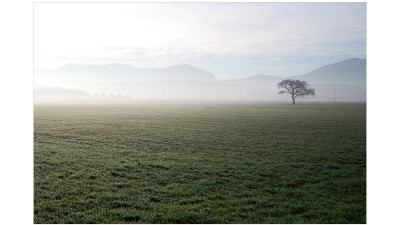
column 342, row 81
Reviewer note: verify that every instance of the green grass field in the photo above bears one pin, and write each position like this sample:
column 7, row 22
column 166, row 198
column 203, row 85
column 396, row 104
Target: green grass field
column 200, row 163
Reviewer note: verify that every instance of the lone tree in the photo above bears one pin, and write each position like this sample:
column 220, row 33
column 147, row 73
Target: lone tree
column 295, row 88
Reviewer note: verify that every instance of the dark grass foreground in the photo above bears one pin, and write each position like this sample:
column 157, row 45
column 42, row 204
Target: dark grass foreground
column 200, row 163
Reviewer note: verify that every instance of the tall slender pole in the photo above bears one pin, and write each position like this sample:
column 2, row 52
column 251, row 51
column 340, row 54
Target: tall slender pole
column 335, row 94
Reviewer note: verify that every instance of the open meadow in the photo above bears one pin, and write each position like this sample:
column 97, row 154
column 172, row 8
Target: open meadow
column 200, row 163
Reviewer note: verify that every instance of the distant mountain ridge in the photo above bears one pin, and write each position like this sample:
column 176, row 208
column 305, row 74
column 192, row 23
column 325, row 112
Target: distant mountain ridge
column 350, row 71
column 341, row 81
column 121, row 72
column 257, row 79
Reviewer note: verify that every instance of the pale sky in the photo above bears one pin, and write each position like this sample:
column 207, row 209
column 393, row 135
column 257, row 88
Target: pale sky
column 231, row 40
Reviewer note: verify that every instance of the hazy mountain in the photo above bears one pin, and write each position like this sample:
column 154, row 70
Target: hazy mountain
column 350, row 71
column 258, row 79
column 342, row 81
column 122, row 72
column 185, row 72
column 113, row 71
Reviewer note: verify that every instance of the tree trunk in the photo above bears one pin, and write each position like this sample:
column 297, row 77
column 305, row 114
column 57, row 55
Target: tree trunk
column 294, row 102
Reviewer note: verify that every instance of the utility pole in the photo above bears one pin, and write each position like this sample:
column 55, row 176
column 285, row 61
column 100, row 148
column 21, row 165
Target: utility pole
column 335, row 94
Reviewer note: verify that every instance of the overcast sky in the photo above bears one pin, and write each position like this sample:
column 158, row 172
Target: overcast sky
column 231, row 40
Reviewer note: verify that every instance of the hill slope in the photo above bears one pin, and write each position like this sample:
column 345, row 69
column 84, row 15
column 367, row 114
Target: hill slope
column 257, row 79
column 345, row 80
column 122, row 72
column 350, row 71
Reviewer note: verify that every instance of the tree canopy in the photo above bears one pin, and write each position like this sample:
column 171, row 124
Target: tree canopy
column 295, row 88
